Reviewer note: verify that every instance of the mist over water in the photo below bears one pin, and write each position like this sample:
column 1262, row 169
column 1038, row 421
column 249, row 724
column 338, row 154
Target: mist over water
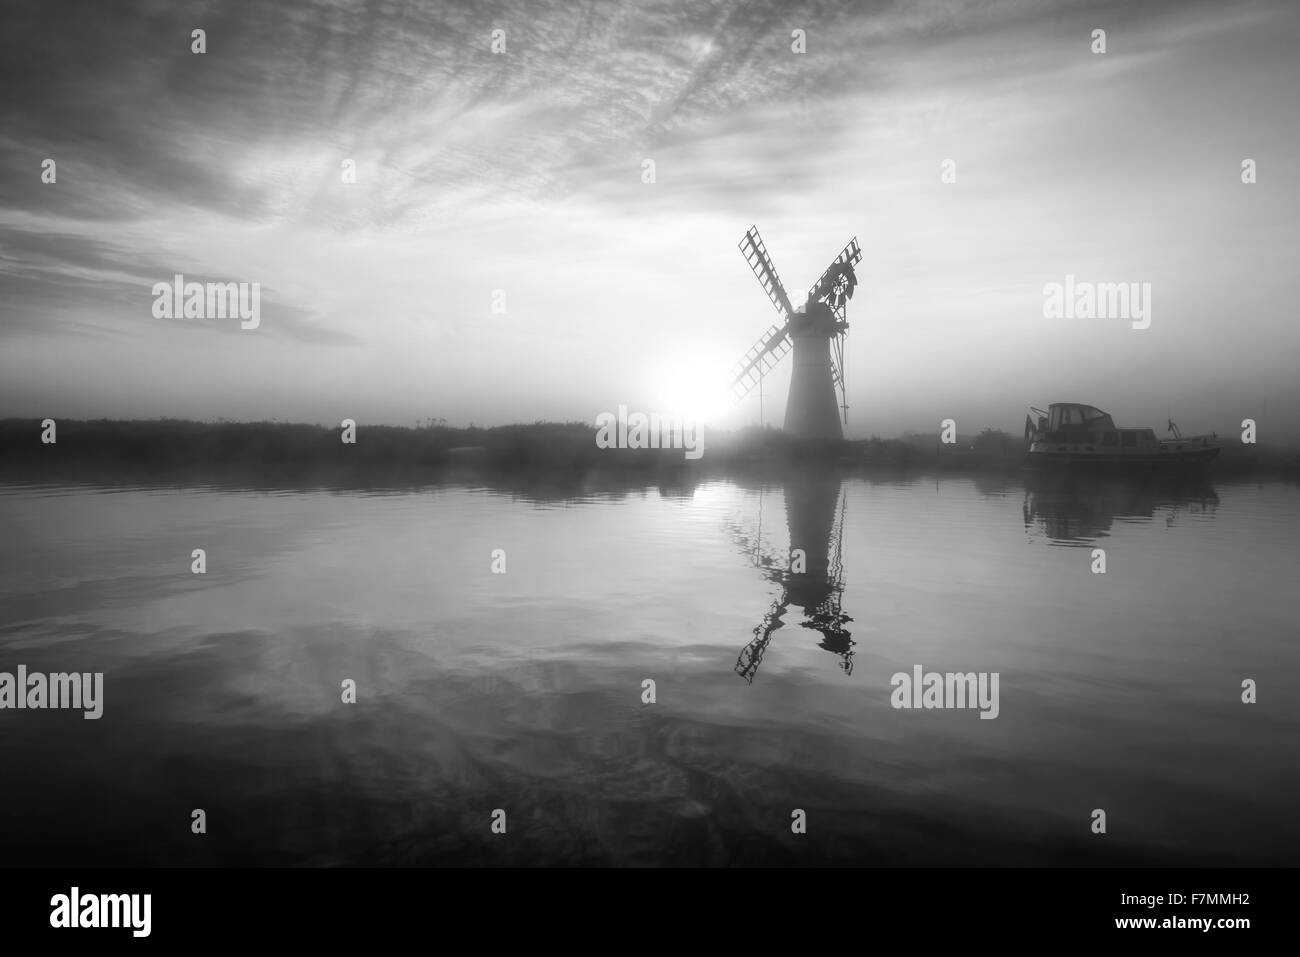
column 523, row 690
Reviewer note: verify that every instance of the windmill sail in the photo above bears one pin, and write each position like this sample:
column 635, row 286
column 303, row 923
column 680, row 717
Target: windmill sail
column 761, row 263
column 849, row 257
column 836, row 287
column 751, row 656
column 774, row 343
column 759, row 360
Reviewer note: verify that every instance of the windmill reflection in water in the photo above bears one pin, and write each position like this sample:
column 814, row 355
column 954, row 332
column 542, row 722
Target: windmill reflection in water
column 815, row 507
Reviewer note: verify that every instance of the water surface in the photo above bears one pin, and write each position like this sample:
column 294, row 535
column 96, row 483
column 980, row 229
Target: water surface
column 522, row 691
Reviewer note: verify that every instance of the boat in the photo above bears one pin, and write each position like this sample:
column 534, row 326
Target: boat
column 1072, row 434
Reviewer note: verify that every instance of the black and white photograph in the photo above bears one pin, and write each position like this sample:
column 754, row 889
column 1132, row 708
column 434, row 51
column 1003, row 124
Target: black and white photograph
column 709, row 436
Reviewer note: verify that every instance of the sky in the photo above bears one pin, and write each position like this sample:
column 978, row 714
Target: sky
column 518, row 179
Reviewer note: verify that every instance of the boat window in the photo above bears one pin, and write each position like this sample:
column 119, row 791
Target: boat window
column 1130, row 439
column 1149, row 435
column 1096, row 419
column 1109, row 438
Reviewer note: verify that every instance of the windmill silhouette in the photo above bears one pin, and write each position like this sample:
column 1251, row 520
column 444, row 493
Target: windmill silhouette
column 810, row 411
column 812, row 500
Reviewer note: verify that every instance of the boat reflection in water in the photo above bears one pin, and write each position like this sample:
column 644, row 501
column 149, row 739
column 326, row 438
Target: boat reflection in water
column 1077, row 509
column 812, row 576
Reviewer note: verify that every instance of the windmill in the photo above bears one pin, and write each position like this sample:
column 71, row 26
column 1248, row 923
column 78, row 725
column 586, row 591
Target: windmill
column 815, row 332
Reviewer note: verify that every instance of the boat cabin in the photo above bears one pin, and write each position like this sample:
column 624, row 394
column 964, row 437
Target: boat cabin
column 1069, row 416
column 1071, row 423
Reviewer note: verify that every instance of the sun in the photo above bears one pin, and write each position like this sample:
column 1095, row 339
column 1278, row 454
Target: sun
column 694, row 393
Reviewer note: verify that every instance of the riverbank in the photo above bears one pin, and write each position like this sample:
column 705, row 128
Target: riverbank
column 269, row 453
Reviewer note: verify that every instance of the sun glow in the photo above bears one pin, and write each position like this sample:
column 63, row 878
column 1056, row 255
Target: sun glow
column 696, row 393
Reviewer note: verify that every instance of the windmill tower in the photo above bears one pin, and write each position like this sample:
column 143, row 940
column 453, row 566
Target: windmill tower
column 815, row 332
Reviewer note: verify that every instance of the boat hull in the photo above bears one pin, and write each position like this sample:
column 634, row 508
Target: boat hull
column 1182, row 459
